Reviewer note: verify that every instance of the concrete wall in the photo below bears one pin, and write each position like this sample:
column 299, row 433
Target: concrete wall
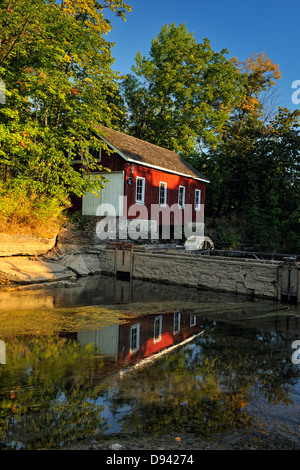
column 258, row 278
column 215, row 273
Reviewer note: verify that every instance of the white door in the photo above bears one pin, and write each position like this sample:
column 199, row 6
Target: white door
column 110, row 199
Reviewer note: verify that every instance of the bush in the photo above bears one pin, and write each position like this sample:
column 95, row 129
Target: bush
column 25, row 210
column 228, row 238
column 227, row 234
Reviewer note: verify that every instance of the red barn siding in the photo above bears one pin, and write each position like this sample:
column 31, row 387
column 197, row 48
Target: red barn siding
column 113, row 161
column 153, row 178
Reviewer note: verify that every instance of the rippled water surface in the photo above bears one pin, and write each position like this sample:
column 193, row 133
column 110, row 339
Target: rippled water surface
column 106, row 356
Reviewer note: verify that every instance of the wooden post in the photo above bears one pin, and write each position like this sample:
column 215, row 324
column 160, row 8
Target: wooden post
column 290, row 281
column 123, row 262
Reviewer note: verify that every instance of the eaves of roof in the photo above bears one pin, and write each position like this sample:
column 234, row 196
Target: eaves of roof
column 137, row 151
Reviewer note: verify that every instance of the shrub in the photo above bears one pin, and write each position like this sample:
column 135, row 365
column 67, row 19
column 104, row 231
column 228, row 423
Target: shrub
column 26, row 210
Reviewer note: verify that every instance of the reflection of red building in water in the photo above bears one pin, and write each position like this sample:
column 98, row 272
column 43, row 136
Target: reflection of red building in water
column 142, row 337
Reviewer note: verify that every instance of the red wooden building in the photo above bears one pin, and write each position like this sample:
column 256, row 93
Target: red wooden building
column 150, row 185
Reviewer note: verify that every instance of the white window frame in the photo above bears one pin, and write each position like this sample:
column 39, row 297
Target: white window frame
column 176, row 323
column 136, row 347
column 140, row 178
column 197, row 204
column 181, row 206
column 193, row 320
column 159, row 320
column 163, row 185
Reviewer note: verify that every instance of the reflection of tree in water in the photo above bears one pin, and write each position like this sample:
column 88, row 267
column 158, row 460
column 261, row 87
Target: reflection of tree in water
column 45, row 395
column 205, row 387
column 259, row 359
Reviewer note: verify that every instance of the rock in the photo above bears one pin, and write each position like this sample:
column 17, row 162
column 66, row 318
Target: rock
column 92, row 262
column 198, row 242
column 77, row 264
column 25, row 270
column 116, row 447
column 24, row 245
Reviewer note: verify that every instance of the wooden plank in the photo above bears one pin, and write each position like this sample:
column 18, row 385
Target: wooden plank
column 285, row 280
column 124, row 258
column 294, row 281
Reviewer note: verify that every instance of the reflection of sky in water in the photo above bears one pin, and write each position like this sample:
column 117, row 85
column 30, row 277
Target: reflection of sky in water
column 114, row 419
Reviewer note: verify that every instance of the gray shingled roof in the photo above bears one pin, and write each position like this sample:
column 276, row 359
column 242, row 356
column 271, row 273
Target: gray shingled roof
column 139, row 151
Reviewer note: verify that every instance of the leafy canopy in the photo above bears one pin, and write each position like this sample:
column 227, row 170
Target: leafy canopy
column 57, row 68
column 181, row 93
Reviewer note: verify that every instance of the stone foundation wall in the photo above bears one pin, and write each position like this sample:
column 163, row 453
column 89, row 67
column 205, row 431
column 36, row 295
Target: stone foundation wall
column 215, row 273
column 258, row 278
column 240, row 276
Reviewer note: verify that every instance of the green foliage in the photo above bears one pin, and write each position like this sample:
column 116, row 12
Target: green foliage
column 56, row 66
column 78, row 219
column 181, row 93
column 47, row 401
column 228, row 236
column 255, row 178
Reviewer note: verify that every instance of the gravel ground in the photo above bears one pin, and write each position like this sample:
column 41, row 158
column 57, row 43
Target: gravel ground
column 229, row 441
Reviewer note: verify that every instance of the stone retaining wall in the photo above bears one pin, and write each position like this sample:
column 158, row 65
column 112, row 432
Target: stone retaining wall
column 258, row 278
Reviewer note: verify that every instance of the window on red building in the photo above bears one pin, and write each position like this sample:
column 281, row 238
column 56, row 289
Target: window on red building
column 157, row 328
column 197, row 199
column 140, row 190
column 176, row 324
column 181, row 196
column 134, row 337
column 162, row 194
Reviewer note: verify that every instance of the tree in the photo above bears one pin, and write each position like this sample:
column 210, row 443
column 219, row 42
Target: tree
column 254, row 170
column 57, row 70
column 182, row 94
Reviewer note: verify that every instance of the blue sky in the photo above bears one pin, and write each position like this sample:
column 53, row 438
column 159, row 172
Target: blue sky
column 243, row 28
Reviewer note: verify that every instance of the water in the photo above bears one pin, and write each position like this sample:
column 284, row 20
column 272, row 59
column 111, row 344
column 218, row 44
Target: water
column 80, row 364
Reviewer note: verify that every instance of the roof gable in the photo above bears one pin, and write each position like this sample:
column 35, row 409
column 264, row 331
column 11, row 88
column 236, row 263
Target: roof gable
column 139, row 151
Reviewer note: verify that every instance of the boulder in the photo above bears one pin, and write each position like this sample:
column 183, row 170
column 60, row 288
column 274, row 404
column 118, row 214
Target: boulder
column 76, row 264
